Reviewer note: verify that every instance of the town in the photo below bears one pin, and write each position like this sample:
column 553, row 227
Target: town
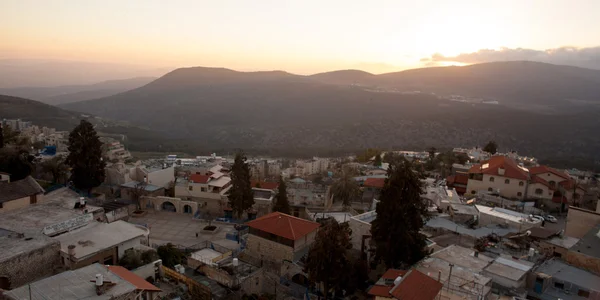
column 81, row 217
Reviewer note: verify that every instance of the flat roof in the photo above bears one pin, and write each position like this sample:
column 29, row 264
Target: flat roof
column 463, row 257
column 75, row 284
column 98, row 236
column 56, row 207
column 220, row 182
column 462, row 279
column 14, row 243
column 439, row 222
column 148, row 187
column 506, row 214
column 565, row 242
column 589, row 244
column 206, row 255
column 509, row 268
column 567, row 273
column 367, row 217
column 340, row 217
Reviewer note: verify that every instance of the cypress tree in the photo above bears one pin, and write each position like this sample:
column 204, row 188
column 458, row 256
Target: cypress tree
column 281, row 201
column 400, row 215
column 85, row 157
column 240, row 195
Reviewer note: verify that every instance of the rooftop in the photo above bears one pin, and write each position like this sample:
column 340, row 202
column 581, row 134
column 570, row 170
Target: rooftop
column 132, row 278
column 463, row 257
column 220, row 182
column 510, row 268
column 97, row 236
column 384, row 285
column 589, row 244
column 15, row 243
column 19, row 189
column 265, row 194
column 206, row 255
column 462, row 280
column 492, row 166
column 567, row 273
column 76, row 284
column 367, row 217
column 198, row 178
column 58, row 206
column 283, row 225
column 340, row 217
column 265, row 185
column 506, row 214
column 564, row 242
column 374, row 182
column 147, row 187
column 439, row 222
column 416, row 286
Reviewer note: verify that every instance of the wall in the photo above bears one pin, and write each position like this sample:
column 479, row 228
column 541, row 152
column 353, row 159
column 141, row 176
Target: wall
column 506, row 282
column 99, row 257
column 162, row 178
column 20, row 203
column 305, row 241
column 147, row 270
column 551, row 177
column 546, row 192
column 157, row 202
column 580, row 221
column 31, row 266
column 130, row 244
column 510, row 190
column 268, row 250
column 583, row 261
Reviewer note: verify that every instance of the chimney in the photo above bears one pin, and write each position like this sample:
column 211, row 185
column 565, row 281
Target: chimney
column 99, row 284
column 81, row 201
column 476, row 254
column 145, row 179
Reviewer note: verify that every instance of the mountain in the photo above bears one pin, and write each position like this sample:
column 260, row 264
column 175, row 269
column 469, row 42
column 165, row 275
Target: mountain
column 74, row 93
column 278, row 112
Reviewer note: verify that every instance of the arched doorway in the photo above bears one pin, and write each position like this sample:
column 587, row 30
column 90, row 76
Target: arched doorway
column 187, row 209
column 4, row 283
column 300, row 279
column 168, row 206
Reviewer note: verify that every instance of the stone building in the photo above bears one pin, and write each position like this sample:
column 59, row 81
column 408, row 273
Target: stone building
column 19, row 194
column 277, row 237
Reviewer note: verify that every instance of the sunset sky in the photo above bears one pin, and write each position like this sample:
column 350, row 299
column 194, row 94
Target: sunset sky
column 302, row 37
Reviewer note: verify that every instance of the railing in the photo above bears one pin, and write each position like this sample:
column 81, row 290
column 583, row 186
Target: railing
column 196, row 289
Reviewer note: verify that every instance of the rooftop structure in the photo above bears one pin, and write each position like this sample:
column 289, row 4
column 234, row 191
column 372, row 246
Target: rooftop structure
column 283, row 225
column 367, row 217
column 464, row 257
column 340, row 217
column 19, row 189
column 463, row 282
column 77, row 284
column 137, row 281
column 385, row 284
column 589, row 244
column 508, row 271
column 416, row 286
column 560, row 280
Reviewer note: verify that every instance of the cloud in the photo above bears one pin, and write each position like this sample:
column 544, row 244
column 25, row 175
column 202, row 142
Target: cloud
column 573, row 56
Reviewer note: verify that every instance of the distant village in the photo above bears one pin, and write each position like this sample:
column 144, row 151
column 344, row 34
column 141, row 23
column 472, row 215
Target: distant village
column 497, row 226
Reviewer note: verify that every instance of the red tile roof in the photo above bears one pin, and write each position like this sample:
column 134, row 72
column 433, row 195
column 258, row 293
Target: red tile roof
column 393, row 274
column 265, row 185
column 374, row 182
column 381, row 291
column 511, row 169
column 457, row 179
column 416, row 286
column 283, row 225
column 197, row 178
column 546, row 169
column 538, row 179
column 137, row 281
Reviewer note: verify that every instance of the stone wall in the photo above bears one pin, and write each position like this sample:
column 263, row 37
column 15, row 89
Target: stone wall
column 580, row 221
column 586, row 262
column 268, row 250
column 31, row 266
column 359, row 228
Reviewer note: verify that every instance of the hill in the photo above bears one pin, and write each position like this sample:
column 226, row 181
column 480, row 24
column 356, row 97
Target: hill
column 74, row 93
column 283, row 113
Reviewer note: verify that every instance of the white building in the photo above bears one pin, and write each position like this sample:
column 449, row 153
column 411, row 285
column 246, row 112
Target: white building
column 313, row 166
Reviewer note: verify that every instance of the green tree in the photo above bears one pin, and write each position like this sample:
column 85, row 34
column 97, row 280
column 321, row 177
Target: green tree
column 345, row 189
column 377, row 160
column 16, row 161
column 135, row 258
column 170, row 255
column 367, row 155
column 56, row 167
column 85, row 157
column 281, row 201
column 400, row 215
column 462, row 158
column 240, row 195
column 491, row 147
column 327, row 261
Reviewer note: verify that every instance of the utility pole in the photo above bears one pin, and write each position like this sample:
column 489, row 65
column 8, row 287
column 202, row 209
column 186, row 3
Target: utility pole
column 449, row 277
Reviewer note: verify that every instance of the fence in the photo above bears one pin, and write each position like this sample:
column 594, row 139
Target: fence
column 196, row 289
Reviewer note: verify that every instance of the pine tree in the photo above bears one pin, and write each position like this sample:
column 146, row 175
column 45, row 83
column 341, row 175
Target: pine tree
column 281, row 201
column 85, row 157
column 1, row 136
column 345, row 190
column 400, row 215
column 491, row 147
column 377, row 162
column 240, row 195
column 328, row 261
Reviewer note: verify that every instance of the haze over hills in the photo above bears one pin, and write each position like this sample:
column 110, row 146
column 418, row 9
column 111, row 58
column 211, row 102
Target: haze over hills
column 73, row 93
column 348, row 110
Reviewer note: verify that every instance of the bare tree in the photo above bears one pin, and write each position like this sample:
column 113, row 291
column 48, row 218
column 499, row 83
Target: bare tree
column 138, row 191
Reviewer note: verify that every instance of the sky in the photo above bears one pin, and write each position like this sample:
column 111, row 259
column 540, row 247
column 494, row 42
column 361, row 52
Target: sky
column 302, row 37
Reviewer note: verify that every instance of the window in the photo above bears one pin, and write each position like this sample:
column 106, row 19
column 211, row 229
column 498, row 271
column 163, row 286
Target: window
column 191, row 188
column 552, row 183
column 519, row 194
column 559, row 285
column 583, row 293
column 203, row 189
column 507, row 181
column 491, row 179
column 33, row 199
column 521, row 183
column 539, row 191
column 490, row 189
column 108, row 260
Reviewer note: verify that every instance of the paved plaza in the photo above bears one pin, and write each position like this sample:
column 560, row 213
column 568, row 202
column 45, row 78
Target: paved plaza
column 170, row 227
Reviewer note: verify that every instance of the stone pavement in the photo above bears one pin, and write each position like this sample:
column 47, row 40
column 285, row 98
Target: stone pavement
column 169, row 227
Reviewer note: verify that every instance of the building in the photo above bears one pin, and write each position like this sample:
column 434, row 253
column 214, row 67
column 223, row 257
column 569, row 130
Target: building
column 19, row 194
column 277, row 237
column 209, row 191
column 100, row 243
column 117, row 152
column 95, row 281
column 458, row 281
column 313, row 166
column 496, row 215
column 509, row 274
column 361, row 229
column 26, row 257
column 144, row 289
column 585, row 253
column 580, row 221
column 129, row 190
column 411, row 285
column 555, row 279
column 4, row 177
column 303, row 193
column 263, row 202
column 159, row 176
column 16, row 124
column 458, row 182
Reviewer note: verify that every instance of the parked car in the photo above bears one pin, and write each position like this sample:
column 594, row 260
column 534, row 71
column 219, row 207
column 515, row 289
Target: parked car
column 551, row 219
column 539, row 217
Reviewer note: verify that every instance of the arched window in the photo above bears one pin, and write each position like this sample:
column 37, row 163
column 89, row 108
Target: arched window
column 490, row 189
column 491, row 179
column 539, row 191
column 552, row 183
column 521, row 183
column 506, row 181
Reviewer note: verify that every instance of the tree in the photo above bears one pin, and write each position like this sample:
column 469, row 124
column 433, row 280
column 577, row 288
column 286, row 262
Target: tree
column 400, row 215
column 462, row 158
column 1, row 136
column 85, row 157
column 56, row 167
column 16, row 161
column 327, row 259
column 135, row 258
column 240, row 195
column 345, row 189
column 491, row 147
column 377, row 160
column 431, row 152
column 281, row 201
column 138, row 191
column 170, row 255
